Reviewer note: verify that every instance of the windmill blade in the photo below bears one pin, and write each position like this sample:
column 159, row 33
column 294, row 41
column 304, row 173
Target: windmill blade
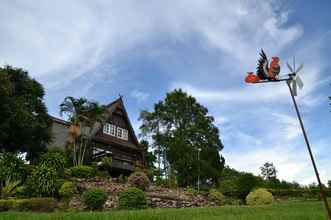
column 294, row 87
column 289, row 67
column 300, row 68
column 299, row 82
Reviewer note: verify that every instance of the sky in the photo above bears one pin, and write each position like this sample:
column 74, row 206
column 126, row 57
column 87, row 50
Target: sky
column 144, row 49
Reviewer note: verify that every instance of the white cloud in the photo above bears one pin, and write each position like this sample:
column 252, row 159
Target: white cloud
column 140, row 96
column 61, row 41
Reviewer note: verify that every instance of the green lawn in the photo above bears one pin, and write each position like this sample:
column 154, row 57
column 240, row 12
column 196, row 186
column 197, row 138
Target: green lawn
column 288, row 211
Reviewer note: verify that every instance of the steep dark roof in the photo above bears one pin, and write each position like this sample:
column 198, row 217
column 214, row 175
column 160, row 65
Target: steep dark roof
column 111, row 107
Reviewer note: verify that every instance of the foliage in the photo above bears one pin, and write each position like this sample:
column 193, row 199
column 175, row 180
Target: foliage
column 179, row 126
column 246, row 183
column 36, row 204
column 25, row 125
column 11, row 168
column 82, row 171
column 259, row 197
column 216, row 196
column 44, row 181
column 67, row 190
column 298, row 193
column 83, row 115
column 7, row 204
column 329, row 183
column 54, row 160
column 268, row 171
column 132, row 198
column 150, row 157
column 107, row 163
column 139, row 180
column 94, row 198
column 9, row 189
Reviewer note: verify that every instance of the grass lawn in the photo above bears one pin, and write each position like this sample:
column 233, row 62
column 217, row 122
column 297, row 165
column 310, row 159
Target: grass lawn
column 282, row 211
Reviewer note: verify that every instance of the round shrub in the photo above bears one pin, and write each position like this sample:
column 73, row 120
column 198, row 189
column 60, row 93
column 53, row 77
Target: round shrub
column 216, row 197
column 132, row 198
column 94, row 198
column 67, row 190
column 82, row 171
column 259, row 197
column 139, row 180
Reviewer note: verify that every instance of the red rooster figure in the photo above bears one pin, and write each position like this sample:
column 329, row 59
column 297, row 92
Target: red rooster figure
column 264, row 71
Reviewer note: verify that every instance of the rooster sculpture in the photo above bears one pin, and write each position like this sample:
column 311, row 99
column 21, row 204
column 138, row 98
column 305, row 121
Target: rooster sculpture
column 264, row 71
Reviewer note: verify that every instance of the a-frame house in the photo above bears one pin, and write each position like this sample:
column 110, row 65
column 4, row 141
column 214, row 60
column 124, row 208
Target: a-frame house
column 114, row 136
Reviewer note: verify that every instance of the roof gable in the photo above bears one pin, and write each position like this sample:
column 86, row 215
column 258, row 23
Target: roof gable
column 110, row 109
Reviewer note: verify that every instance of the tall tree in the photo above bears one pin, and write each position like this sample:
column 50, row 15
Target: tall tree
column 268, row 171
column 25, row 125
column 181, row 129
column 83, row 115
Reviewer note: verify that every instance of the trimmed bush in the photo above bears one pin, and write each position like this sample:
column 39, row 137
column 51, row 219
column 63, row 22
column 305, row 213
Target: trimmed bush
column 82, row 171
column 216, row 197
column 94, row 198
column 67, row 190
column 140, row 180
column 132, row 198
column 259, row 197
column 36, row 204
column 7, row 204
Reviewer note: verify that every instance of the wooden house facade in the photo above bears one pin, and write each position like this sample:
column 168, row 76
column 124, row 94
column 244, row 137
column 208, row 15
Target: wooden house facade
column 114, row 136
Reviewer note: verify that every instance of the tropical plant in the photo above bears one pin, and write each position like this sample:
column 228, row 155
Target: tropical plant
column 139, row 180
column 11, row 168
column 25, row 124
column 259, row 197
column 182, row 129
column 94, row 198
column 44, row 181
column 55, row 160
column 132, row 198
column 9, row 189
column 83, row 115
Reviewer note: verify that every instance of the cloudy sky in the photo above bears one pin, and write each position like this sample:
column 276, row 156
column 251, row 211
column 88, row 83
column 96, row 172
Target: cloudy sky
column 143, row 49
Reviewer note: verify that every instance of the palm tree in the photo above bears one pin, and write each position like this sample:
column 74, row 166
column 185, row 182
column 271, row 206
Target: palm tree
column 83, row 115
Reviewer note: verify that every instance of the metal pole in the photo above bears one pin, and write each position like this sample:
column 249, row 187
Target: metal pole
column 310, row 152
column 199, row 169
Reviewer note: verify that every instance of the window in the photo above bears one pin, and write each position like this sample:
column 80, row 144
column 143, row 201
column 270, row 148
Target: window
column 122, row 133
column 119, row 132
column 125, row 134
column 109, row 129
column 115, row 131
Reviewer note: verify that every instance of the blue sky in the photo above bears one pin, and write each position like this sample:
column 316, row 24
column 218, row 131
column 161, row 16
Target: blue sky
column 143, row 49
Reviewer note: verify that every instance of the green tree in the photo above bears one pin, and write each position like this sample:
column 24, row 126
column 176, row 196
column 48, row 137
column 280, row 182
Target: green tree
column 83, row 115
column 150, row 158
column 179, row 127
column 329, row 184
column 25, row 125
column 268, row 171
